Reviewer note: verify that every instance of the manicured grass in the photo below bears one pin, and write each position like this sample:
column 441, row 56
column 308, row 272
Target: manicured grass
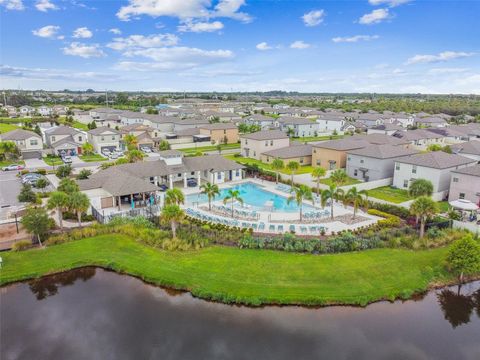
column 443, row 206
column 7, row 127
column 318, row 138
column 209, row 148
column 245, row 276
column 92, row 158
column 350, row 181
column 80, row 126
column 8, row 162
column 306, row 169
column 53, row 160
column 390, row 194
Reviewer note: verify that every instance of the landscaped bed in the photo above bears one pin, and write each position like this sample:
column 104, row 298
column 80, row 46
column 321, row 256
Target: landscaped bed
column 252, row 277
column 53, row 160
column 92, row 158
column 350, row 181
column 390, row 194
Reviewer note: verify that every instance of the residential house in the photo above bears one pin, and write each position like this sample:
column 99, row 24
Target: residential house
column 452, row 134
column 430, row 121
column 44, row 110
column 223, row 116
column 469, row 149
column 29, row 143
column 104, row 138
column 254, row 144
column 26, row 110
column 301, row 153
column 146, row 135
column 381, row 139
column 465, row 184
column 60, row 109
column 298, row 126
column 65, row 140
column 435, row 166
column 11, row 110
column 386, row 129
column 332, row 154
column 420, row 139
column 330, row 124
column 265, row 122
column 221, row 133
column 371, row 119
column 374, row 162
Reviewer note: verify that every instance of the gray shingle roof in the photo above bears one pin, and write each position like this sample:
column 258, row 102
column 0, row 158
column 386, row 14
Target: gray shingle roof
column 219, row 126
column 266, row 135
column 18, row 134
column 295, row 120
column 436, row 160
column 290, row 151
column 384, row 151
column 102, row 129
column 469, row 170
column 342, row 144
column 63, row 130
column 470, row 147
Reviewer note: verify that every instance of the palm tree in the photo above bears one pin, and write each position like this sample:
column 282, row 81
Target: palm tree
column 420, row 187
column 8, row 149
column 174, row 197
column 233, row 195
column 293, row 166
column 58, row 200
column 339, row 177
column 68, row 186
column 277, row 165
column 78, row 203
column 211, row 190
column 172, row 214
column 135, row 155
column 300, row 193
column 317, row 174
column 423, row 208
column 332, row 193
column 357, row 198
column 131, row 141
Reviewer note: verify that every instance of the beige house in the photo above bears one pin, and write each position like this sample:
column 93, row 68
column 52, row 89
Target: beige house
column 65, row 140
column 103, row 138
column 221, row 133
column 29, row 143
column 301, row 153
column 332, row 154
column 465, row 184
column 255, row 144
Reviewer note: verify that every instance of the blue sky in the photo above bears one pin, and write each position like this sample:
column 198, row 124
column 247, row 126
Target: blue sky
column 390, row 46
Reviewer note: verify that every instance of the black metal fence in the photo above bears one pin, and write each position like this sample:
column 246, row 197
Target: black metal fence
column 150, row 212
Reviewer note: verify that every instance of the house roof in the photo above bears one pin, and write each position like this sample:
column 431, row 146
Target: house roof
column 469, row 170
column 187, row 132
column 469, row 147
column 342, row 144
column 380, row 139
column 259, row 117
column 418, row 134
column 101, row 130
column 385, row 151
column 66, row 140
column 266, row 135
column 436, row 160
column 18, row 134
column 291, row 151
column 62, row 130
column 295, row 120
column 219, row 126
column 387, row 127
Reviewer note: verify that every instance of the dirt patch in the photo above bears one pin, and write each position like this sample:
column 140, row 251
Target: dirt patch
column 8, row 234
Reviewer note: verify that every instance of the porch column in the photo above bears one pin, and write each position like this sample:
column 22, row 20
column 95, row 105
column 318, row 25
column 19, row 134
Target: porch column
column 155, row 179
column 131, row 201
column 212, row 177
column 199, row 179
column 119, row 203
column 184, row 180
column 170, row 179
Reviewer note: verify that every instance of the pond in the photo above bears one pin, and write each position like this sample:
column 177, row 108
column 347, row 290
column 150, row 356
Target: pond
column 95, row 314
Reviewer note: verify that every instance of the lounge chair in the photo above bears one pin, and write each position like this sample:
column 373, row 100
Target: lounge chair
column 271, row 228
column 261, row 226
column 291, row 228
column 280, row 228
column 303, row 229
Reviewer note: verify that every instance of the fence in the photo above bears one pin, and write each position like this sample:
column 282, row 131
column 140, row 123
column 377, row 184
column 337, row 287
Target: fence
column 150, row 212
column 370, row 185
column 472, row 227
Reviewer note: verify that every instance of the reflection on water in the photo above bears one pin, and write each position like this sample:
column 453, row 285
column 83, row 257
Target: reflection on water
column 95, row 314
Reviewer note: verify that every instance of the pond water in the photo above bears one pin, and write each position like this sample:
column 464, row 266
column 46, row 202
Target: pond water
column 94, row 314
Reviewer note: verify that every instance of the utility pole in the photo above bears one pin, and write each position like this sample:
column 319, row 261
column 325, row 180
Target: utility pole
column 106, row 97
column 4, row 99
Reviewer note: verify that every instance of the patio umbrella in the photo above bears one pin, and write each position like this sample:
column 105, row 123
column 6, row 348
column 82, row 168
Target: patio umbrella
column 463, row 205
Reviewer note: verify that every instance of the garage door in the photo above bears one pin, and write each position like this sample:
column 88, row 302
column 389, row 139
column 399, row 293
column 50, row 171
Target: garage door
column 111, row 148
column 32, row 155
column 106, row 202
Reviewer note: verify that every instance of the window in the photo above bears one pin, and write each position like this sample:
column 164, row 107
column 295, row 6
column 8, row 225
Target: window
column 113, row 137
column 237, row 172
column 349, row 158
column 455, row 179
column 33, row 142
column 266, row 143
column 405, row 183
column 301, row 160
column 219, row 176
column 355, row 173
column 397, row 166
column 179, row 175
column 318, row 162
column 461, row 196
column 414, row 169
column 102, row 138
column 254, row 153
column 271, row 142
column 80, row 138
column 224, row 131
column 192, row 173
column 362, row 161
column 53, row 138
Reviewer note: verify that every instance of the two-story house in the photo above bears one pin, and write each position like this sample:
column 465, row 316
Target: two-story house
column 265, row 122
column 221, row 133
column 332, row 154
column 29, row 143
column 435, row 166
column 297, row 126
column 470, row 149
column 465, row 184
column 44, row 110
column 26, row 110
column 104, row 138
column 254, row 144
column 330, row 124
column 65, row 140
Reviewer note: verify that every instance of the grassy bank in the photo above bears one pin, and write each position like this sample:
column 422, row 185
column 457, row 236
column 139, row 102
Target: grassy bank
column 245, row 276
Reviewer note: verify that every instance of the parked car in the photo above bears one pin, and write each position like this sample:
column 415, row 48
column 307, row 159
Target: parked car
column 146, row 150
column 113, row 156
column 106, row 152
column 67, row 159
column 192, row 182
column 29, row 177
column 119, row 153
column 13, row 167
column 163, row 187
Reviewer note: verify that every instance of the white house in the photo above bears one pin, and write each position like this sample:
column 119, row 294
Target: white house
column 300, row 127
column 45, row 110
column 65, row 140
column 104, row 138
column 328, row 124
column 26, row 110
column 29, row 143
column 254, row 144
column 470, row 149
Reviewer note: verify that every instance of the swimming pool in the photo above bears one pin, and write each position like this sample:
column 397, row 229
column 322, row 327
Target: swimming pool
column 253, row 195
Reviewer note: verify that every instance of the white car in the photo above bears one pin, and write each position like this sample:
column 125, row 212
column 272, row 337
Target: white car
column 106, row 152
column 113, row 156
column 13, row 167
column 146, row 150
column 67, row 159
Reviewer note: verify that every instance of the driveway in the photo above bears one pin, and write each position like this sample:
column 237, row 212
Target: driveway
column 35, row 163
column 77, row 161
column 9, row 189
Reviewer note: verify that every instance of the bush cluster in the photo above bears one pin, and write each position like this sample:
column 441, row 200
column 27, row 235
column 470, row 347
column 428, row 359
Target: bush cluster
column 389, row 221
column 21, row 245
column 399, row 211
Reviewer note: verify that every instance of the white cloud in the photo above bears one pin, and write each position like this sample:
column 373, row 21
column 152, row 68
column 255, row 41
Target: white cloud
column 355, row 38
column 191, row 26
column 443, row 56
column 441, row 71
column 299, row 44
column 115, row 31
column 375, row 17
column 391, row 3
column 134, row 42
column 185, row 9
column 314, row 17
column 82, row 33
column 52, row 74
column 45, row 5
column 263, row 46
column 48, row 31
column 83, row 50
column 12, row 4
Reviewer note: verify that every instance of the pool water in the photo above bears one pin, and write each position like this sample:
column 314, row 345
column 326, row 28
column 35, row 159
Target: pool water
column 253, row 195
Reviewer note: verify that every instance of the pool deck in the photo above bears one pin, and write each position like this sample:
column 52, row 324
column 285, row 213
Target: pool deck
column 272, row 221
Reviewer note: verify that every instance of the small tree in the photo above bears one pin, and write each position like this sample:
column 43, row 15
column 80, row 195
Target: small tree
column 87, row 148
column 356, row 198
column 41, row 184
column 58, row 200
column 78, row 203
column 172, row 214
column 293, row 166
column 277, row 166
column 26, row 194
column 232, row 196
column 84, row 174
column 68, row 186
column 164, row 145
column 339, row 177
column 423, row 208
column 464, row 257
column 211, row 190
column 135, row 155
column 64, row 171
column 131, row 141
column 219, row 148
column 300, row 193
column 420, row 187
column 332, row 193
column 36, row 222
column 174, row 196
column 317, row 174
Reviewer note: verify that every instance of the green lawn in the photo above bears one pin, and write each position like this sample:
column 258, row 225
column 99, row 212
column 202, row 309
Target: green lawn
column 306, row 169
column 318, row 138
column 209, row 148
column 7, row 127
column 53, row 160
column 350, row 181
column 80, row 126
column 245, row 276
column 443, row 206
column 92, row 158
column 390, row 194
column 8, row 162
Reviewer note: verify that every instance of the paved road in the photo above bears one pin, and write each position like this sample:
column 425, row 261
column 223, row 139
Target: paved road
column 9, row 189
